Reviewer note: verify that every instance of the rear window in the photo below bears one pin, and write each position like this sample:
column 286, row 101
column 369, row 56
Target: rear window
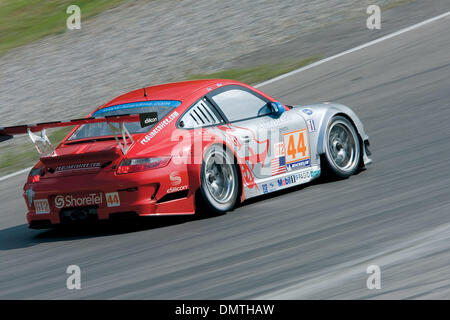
column 92, row 130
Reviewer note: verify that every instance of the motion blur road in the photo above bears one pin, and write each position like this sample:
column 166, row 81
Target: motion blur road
column 314, row 241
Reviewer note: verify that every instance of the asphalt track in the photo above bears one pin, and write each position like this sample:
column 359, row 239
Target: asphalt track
column 314, row 241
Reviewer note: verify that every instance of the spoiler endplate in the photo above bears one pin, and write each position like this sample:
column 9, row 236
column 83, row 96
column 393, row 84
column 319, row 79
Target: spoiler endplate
column 43, row 144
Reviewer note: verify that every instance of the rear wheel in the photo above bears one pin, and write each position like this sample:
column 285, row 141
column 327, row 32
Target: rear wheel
column 343, row 149
column 219, row 180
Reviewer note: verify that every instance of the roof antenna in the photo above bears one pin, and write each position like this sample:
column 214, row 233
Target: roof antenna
column 145, row 92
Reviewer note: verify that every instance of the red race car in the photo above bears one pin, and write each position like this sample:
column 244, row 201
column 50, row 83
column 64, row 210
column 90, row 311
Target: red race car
column 160, row 150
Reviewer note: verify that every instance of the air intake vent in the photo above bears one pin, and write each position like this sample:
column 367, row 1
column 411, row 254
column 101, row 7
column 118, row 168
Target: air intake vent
column 200, row 115
column 173, row 196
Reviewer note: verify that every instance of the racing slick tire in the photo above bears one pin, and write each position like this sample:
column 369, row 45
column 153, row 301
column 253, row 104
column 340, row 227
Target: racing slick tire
column 343, row 148
column 219, row 180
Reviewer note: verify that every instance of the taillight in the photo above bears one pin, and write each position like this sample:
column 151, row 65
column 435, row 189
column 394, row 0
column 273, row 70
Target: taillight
column 35, row 175
column 142, row 164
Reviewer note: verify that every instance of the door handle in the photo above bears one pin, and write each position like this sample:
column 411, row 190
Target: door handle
column 245, row 139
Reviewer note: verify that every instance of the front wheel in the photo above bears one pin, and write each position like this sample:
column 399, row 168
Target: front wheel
column 219, row 180
column 343, row 149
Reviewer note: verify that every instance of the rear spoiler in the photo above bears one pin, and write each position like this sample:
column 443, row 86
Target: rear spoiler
column 45, row 148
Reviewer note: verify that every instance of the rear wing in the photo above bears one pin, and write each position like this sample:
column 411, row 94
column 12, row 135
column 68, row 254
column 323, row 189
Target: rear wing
column 43, row 144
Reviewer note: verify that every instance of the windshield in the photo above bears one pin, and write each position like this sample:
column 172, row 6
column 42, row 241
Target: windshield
column 91, row 130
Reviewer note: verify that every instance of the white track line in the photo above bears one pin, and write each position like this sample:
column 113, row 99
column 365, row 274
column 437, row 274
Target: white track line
column 15, row 174
column 368, row 44
column 312, row 65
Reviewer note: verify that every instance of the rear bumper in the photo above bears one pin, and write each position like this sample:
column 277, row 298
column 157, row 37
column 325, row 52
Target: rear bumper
column 56, row 217
column 149, row 193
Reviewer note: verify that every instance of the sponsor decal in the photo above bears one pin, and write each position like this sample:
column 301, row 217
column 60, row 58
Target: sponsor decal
column 112, row 199
column 41, row 206
column 78, row 166
column 176, row 189
column 160, row 127
column 298, row 164
column 269, row 187
column 296, row 149
column 156, row 103
column 78, row 201
column 287, row 180
column 278, row 149
column 30, row 196
column 305, row 175
column 175, row 178
column 147, row 119
column 272, row 187
column 265, row 189
column 294, row 179
column 311, row 125
column 307, row 111
column 315, row 173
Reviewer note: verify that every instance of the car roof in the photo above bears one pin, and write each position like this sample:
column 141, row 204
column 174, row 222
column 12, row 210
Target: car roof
column 170, row 91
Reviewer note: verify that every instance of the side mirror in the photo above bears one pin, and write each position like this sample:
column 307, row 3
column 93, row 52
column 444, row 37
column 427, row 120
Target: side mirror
column 277, row 108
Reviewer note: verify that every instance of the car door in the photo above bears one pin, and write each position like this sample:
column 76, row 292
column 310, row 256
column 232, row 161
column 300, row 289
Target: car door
column 261, row 135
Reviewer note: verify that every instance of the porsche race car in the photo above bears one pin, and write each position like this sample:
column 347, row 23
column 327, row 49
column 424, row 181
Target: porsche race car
column 162, row 149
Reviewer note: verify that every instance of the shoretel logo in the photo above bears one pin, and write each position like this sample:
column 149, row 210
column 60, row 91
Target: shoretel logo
column 72, row 201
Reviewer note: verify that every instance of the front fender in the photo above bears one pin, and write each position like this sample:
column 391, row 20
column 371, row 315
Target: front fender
column 322, row 115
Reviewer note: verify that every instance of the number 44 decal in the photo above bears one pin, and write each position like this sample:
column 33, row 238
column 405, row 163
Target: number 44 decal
column 112, row 199
column 297, row 147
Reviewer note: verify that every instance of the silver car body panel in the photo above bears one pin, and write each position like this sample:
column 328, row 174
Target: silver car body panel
column 257, row 143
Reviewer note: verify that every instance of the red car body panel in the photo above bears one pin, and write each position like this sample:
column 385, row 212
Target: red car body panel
column 66, row 185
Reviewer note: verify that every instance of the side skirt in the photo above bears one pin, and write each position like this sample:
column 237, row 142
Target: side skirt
column 283, row 181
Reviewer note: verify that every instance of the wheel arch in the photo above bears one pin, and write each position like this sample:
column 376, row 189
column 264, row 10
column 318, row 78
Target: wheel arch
column 361, row 141
column 226, row 146
column 324, row 113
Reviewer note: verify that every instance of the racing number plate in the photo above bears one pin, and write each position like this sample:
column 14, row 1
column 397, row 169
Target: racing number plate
column 296, row 146
column 112, row 199
column 41, row 206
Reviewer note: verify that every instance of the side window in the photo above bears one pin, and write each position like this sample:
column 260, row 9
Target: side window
column 199, row 115
column 238, row 104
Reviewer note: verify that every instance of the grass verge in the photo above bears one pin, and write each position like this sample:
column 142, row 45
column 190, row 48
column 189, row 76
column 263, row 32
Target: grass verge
column 24, row 21
column 396, row 4
column 16, row 156
column 257, row 74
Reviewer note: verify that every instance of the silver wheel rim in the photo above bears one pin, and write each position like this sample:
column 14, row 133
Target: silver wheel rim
column 342, row 146
column 219, row 177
